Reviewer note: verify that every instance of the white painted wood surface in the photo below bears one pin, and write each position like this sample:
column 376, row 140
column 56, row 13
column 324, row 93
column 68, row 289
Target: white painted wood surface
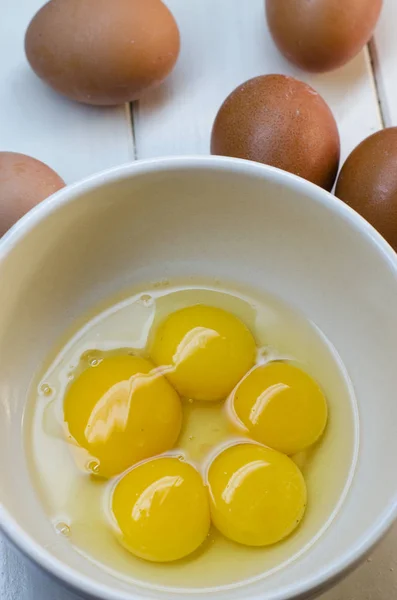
column 224, row 42
column 385, row 53
column 73, row 139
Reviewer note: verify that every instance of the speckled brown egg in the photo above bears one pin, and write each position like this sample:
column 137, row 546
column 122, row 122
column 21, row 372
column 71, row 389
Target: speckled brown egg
column 24, row 182
column 102, row 52
column 368, row 182
column 280, row 121
column 321, row 35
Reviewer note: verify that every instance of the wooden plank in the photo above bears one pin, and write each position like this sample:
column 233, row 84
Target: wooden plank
column 19, row 580
column 384, row 53
column 223, row 44
column 75, row 140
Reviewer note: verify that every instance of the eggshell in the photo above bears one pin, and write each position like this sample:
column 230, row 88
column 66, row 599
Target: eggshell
column 321, row 35
column 24, row 182
column 102, row 52
column 368, row 182
column 280, row 121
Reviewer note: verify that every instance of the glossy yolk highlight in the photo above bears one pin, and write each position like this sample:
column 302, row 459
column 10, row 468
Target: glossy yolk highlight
column 122, row 411
column 257, row 495
column 207, row 351
column 281, row 406
column 161, row 509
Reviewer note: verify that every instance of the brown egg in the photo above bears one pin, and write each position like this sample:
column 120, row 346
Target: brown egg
column 24, row 182
column 279, row 121
column 368, row 182
column 102, row 52
column 321, row 35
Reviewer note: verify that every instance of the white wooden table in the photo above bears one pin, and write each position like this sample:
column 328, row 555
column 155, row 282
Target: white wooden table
column 224, row 42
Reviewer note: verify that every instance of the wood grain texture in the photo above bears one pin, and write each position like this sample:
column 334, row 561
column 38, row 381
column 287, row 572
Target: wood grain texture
column 384, row 52
column 223, row 44
column 73, row 139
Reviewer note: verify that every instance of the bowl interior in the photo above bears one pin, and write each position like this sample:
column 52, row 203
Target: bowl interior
column 211, row 218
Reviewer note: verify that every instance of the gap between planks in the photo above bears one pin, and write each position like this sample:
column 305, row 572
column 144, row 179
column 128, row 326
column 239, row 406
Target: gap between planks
column 378, row 84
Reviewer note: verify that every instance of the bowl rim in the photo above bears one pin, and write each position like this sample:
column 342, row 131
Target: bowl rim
column 69, row 576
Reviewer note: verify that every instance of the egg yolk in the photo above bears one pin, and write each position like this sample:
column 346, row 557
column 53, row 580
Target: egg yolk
column 122, row 411
column 206, row 351
column 257, row 495
column 281, row 406
column 161, row 509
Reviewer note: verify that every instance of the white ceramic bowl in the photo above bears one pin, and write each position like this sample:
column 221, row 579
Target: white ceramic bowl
column 211, row 217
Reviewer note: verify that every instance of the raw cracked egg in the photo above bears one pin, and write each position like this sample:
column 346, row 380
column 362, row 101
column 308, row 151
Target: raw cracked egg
column 161, row 510
column 102, row 52
column 281, row 406
column 24, row 182
column 121, row 411
column 257, row 495
column 173, row 452
column 282, row 122
column 204, row 351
